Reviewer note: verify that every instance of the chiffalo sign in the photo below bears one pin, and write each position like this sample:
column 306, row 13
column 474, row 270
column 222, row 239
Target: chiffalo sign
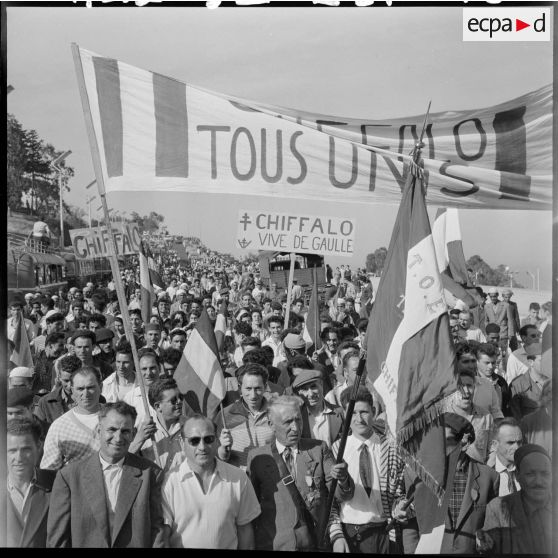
column 287, row 232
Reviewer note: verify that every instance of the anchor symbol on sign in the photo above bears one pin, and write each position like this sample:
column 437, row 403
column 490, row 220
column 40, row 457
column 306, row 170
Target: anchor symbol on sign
column 244, row 243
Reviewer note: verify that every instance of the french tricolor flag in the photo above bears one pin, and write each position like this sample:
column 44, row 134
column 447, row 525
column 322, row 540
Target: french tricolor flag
column 199, row 375
column 410, row 356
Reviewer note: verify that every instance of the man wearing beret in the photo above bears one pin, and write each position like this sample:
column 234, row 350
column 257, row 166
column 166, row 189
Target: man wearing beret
column 104, row 337
column 521, row 522
column 469, row 487
column 321, row 420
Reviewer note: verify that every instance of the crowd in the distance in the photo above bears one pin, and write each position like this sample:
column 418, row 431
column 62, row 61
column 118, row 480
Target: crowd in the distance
column 91, row 464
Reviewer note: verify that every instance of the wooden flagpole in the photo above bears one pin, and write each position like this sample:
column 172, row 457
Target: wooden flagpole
column 113, row 258
column 289, row 290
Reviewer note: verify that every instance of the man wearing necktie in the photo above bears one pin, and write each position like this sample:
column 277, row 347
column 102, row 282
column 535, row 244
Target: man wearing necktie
column 508, row 439
column 364, row 523
column 292, row 476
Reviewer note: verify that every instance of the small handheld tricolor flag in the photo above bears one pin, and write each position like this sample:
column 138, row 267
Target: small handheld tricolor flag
column 149, row 277
column 21, row 355
column 199, row 374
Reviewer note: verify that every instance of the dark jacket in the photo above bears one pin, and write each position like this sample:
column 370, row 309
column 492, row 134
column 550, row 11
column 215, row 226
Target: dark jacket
column 33, row 533
column 274, row 529
column 78, row 516
column 51, row 406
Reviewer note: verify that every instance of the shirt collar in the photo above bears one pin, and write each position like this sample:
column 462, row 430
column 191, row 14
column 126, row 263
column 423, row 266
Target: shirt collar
column 31, row 482
column 281, row 447
column 356, row 443
column 106, row 465
column 186, row 471
column 500, row 467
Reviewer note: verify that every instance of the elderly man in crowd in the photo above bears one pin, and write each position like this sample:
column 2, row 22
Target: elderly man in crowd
column 507, row 439
column 292, row 477
column 207, row 503
column 521, row 522
column 111, row 499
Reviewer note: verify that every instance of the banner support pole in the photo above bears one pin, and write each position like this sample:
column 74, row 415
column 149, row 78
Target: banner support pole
column 113, row 258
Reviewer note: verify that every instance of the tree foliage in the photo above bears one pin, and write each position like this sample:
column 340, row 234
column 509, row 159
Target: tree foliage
column 376, row 260
column 148, row 223
column 29, row 172
column 486, row 275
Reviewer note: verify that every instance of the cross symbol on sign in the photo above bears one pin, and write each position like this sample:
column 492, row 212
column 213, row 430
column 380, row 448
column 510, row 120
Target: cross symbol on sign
column 245, row 220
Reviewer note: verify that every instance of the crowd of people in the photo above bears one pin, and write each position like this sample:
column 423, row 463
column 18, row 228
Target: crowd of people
column 91, row 465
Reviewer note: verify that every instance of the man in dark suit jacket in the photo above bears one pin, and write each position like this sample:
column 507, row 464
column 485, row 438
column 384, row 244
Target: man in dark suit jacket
column 111, row 499
column 281, row 525
column 469, row 487
column 26, row 515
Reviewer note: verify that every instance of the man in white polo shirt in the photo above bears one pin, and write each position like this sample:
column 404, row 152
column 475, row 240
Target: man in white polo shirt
column 208, row 503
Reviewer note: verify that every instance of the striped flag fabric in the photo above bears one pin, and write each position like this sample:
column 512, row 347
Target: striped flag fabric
column 149, row 277
column 21, row 355
column 410, row 355
column 446, row 233
column 221, row 326
column 199, row 375
column 311, row 332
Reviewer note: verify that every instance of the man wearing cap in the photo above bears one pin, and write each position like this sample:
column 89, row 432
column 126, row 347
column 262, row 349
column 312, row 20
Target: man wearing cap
column 21, row 403
column 469, row 486
column 521, row 522
column 517, row 362
column 104, row 337
column 21, row 376
column 28, row 490
column 498, row 312
column 321, row 420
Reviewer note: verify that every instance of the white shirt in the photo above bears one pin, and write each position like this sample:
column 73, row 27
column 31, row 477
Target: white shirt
column 503, row 471
column 135, row 399
column 362, row 508
column 210, row 520
column 281, row 448
column 112, row 475
column 517, row 364
column 115, row 389
column 319, row 425
column 475, row 334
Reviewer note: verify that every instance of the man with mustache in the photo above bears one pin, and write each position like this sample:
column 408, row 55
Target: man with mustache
column 521, row 522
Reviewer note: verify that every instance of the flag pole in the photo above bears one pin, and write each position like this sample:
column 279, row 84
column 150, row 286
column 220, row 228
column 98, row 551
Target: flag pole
column 289, row 290
column 113, row 258
column 343, row 443
column 316, row 332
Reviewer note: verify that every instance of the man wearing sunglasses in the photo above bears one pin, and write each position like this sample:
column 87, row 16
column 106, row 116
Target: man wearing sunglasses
column 207, row 503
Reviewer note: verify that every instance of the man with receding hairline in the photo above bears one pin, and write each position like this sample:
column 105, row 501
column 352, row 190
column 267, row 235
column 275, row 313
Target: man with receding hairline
column 207, row 503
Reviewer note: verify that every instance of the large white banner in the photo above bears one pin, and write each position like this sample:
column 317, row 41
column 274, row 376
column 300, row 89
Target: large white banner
column 290, row 232
column 154, row 133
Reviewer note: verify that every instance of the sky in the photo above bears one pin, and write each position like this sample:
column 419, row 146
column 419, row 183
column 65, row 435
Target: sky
column 369, row 62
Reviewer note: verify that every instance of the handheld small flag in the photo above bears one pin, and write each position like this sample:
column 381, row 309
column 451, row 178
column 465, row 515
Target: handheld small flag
column 199, row 375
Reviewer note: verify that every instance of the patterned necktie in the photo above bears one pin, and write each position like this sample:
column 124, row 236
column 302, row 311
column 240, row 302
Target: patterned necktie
column 289, row 461
column 511, row 482
column 365, row 469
